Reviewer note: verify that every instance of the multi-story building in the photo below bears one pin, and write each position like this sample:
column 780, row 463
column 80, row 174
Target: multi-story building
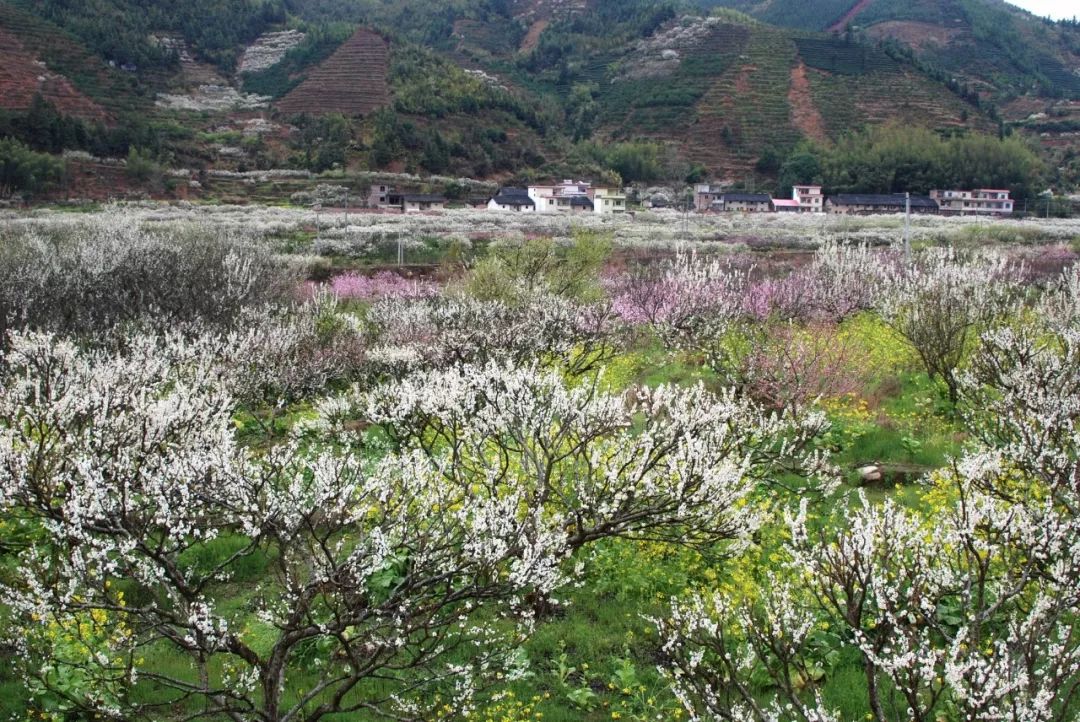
column 705, row 196
column 866, row 204
column 607, row 201
column 576, row 197
column 379, row 196
column 810, row 198
column 556, row 197
column 980, row 202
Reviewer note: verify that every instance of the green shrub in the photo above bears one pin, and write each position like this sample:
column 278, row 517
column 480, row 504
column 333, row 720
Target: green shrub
column 24, row 171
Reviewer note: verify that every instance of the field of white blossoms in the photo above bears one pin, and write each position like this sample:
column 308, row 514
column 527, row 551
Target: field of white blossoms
column 648, row 468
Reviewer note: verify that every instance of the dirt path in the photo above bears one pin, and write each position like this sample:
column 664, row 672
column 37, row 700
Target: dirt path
column 850, row 15
column 804, row 114
column 532, row 38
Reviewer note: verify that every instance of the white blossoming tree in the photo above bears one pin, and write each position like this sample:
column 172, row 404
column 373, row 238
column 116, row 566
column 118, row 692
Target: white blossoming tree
column 442, row 331
column 666, row 464
column 326, row 574
column 939, row 303
column 966, row 610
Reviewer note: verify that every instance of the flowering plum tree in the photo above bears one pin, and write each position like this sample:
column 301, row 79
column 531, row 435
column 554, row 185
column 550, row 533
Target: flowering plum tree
column 368, row 575
column 576, row 453
column 88, row 278
column 384, row 284
column 444, row 330
column 839, row 282
column 789, row 367
column 939, row 303
column 687, row 301
column 144, row 508
column 967, row 610
column 277, row 355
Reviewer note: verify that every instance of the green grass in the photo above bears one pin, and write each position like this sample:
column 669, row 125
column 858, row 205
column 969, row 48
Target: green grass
column 13, row 697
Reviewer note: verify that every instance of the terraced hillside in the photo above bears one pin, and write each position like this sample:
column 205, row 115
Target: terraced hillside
column 352, row 81
column 994, row 46
column 22, row 77
column 748, row 91
column 492, row 89
column 747, row 109
column 76, row 80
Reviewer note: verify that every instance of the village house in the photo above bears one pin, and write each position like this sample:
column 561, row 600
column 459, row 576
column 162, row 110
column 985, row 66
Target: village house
column 809, row 197
column 607, row 201
column 379, row 196
column 419, row 203
column 744, row 203
column 866, row 204
column 576, row 197
column 785, row 206
column 512, row 199
column 980, row 202
column 555, row 198
column 705, row 196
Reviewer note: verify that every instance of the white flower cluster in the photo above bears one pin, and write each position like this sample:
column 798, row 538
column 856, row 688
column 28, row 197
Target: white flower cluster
column 659, row 230
column 212, row 98
column 128, row 463
column 444, row 330
column 268, row 50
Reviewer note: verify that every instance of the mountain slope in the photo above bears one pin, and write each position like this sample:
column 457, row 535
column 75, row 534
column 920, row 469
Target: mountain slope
column 499, row 87
column 744, row 93
column 1001, row 50
column 352, row 81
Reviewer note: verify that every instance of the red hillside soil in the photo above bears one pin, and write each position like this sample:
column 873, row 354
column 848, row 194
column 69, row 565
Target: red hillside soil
column 850, row 15
column 532, row 38
column 352, row 81
column 804, row 114
column 22, row 76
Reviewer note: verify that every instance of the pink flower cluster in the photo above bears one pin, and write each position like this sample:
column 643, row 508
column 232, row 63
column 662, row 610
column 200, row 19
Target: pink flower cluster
column 808, row 294
column 384, row 284
column 814, row 293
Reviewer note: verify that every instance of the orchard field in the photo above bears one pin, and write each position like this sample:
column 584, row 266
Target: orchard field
column 652, row 468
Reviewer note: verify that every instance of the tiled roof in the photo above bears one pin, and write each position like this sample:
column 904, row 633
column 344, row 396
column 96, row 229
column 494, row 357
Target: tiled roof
column 746, row 198
column 869, row 199
column 512, row 199
column 420, row 198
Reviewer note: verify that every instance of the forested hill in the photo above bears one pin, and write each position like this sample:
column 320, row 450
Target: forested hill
column 508, row 88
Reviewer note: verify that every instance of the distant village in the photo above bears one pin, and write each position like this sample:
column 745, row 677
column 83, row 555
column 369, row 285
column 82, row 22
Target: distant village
column 811, row 199
column 571, row 196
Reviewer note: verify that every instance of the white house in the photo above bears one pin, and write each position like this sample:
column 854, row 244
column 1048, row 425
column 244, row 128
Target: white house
column 576, row 197
column 512, row 199
column 556, row 198
column 810, row 198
